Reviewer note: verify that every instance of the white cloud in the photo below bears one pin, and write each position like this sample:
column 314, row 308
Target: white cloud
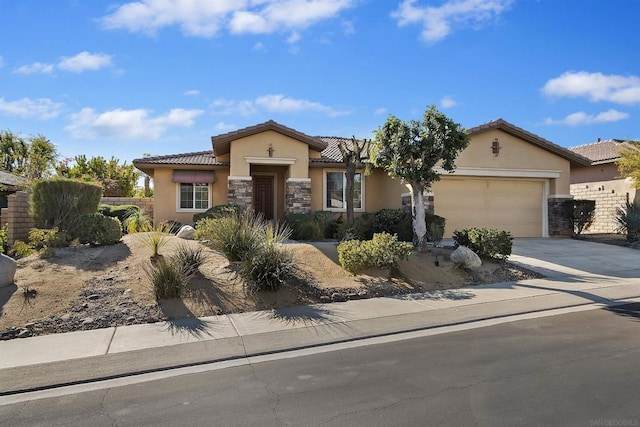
column 260, row 47
column 380, row 111
column 36, row 67
column 273, row 103
column 595, row 87
column 294, row 38
column 206, row 18
column 224, row 127
column 41, row 108
column 84, row 61
column 127, row 124
column 192, row 92
column 448, row 102
column 438, row 21
column 582, row 118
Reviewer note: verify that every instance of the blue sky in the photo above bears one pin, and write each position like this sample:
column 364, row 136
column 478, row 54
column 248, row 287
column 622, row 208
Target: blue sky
column 125, row 78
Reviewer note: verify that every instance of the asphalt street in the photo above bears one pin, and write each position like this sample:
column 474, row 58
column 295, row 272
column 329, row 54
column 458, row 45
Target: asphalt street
column 579, row 369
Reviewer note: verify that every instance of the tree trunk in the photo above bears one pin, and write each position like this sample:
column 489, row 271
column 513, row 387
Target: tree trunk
column 351, row 172
column 419, row 222
column 147, row 189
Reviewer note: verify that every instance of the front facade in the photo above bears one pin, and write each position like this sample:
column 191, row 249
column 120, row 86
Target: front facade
column 507, row 179
column 601, row 181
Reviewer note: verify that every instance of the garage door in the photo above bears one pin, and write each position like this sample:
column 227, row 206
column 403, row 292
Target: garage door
column 512, row 205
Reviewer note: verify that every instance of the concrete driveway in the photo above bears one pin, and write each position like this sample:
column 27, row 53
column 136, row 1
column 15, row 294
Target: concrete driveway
column 564, row 258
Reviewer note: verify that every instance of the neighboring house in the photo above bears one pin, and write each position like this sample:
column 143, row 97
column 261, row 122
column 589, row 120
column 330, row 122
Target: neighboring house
column 506, row 178
column 9, row 184
column 601, row 181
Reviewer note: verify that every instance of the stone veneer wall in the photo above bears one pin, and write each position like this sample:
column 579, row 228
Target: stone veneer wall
column 428, row 203
column 606, row 203
column 297, row 196
column 559, row 222
column 240, row 192
column 16, row 215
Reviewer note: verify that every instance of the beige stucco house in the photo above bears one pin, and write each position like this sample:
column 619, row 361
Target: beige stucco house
column 506, row 178
column 601, row 181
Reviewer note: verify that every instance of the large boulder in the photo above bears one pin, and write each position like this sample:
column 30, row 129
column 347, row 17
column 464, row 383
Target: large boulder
column 466, row 258
column 186, row 232
column 8, row 269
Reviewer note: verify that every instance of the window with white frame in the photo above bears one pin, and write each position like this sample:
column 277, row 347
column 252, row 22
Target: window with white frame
column 194, row 196
column 335, row 191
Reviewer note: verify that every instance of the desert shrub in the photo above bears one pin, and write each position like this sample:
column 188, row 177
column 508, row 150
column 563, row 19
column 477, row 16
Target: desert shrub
column 118, row 211
column 155, row 239
column 330, row 221
column 97, row 229
column 628, row 219
column 59, row 202
column 269, row 267
column 305, row 227
column 581, row 213
column 168, row 278
column 382, row 251
column 435, row 232
column 4, row 239
column 170, row 226
column 189, row 258
column 20, row 250
column 46, row 252
column 137, row 221
column 485, row 242
column 236, row 236
column 394, row 221
column 218, row 211
column 40, row 238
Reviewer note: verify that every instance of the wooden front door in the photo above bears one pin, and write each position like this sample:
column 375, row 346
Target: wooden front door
column 263, row 195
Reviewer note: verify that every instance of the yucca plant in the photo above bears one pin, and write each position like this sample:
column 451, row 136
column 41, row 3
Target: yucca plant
column 189, row 258
column 628, row 219
column 237, row 236
column 155, row 240
column 169, row 278
column 137, row 221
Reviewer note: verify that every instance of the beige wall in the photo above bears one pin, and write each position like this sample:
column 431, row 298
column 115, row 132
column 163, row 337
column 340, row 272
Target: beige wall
column 380, row 191
column 595, row 173
column 514, row 154
column 165, row 195
column 257, row 146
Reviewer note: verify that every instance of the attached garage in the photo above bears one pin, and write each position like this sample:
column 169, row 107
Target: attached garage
column 513, row 205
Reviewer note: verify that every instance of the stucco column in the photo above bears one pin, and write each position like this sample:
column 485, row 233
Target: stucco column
column 298, row 195
column 240, row 191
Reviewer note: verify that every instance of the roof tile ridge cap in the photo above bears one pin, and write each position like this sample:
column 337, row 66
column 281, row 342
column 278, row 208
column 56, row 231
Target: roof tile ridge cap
column 164, row 156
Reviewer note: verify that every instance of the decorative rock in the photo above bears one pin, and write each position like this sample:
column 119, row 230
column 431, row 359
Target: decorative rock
column 8, row 269
column 24, row 333
column 466, row 258
column 87, row 321
column 186, row 232
column 131, row 319
column 93, row 297
column 338, row 297
column 65, row 317
column 325, row 298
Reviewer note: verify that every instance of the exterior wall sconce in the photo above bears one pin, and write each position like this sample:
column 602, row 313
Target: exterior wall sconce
column 495, row 147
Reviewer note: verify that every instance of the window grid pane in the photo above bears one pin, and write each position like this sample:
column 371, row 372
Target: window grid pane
column 335, row 192
column 201, row 196
column 186, row 196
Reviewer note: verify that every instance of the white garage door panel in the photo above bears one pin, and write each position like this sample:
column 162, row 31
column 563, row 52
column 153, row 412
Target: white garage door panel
column 515, row 206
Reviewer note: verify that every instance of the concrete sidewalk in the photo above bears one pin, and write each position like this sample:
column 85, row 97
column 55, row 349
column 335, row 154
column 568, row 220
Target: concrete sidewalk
column 40, row 362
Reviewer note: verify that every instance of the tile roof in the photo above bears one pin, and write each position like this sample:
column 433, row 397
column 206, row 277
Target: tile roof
column 11, row 180
column 331, row 154
column 199, row 158
column 602, row 151
column 575, row 158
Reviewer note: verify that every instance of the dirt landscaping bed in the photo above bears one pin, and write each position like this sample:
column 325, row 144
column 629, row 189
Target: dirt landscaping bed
column 96, row 287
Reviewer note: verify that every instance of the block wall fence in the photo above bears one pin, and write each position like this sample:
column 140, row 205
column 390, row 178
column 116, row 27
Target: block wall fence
column 19, row 222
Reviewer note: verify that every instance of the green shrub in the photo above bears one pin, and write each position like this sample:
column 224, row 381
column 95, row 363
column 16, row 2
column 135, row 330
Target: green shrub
column 394, row 221
column 435, row 232
column 236, row 236
column 60, row 202
column 382, row 251
column 362, row 228
column 581, row 213
column 4, row 239
column 169, row 278
column 485, row 242
column 305, row 227
column 118, row 211
column 269, row 267
column 98, row 229
column 628, row 219
column 329, row 221
column 40, row 238
column 218, row 211
column 137, row 221
column 20, row 250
